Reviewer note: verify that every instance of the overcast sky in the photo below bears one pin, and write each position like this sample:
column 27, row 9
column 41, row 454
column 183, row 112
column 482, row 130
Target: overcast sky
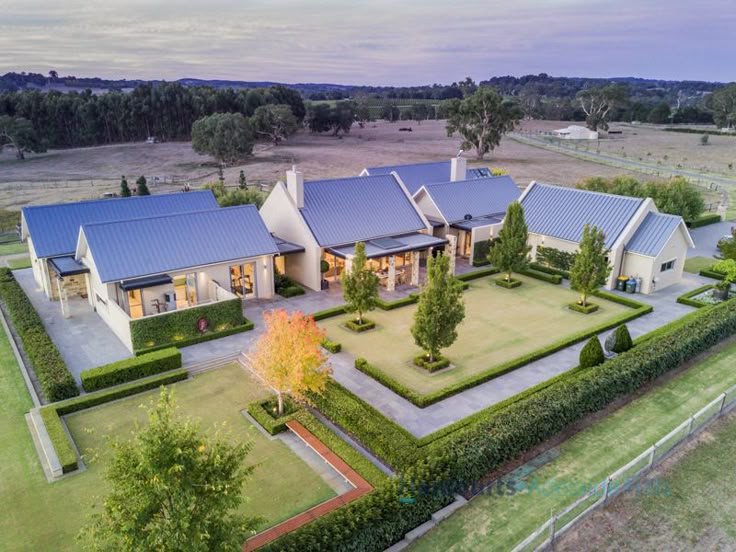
column 373, row 42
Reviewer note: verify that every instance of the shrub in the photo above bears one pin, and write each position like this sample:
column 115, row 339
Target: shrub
column 710, row 273
column 208, row 336
column 704, row 220
column 285, row 286
column 331, row 346
column 439, row 363
column 291, row 291
column 130, row 369
column 264, row 412
column 592, row 353
column 555, row 258
column 480, row 253
column 622, row 340
column 178, row 326
column 585, row 309
column 51, row 414
column 508, row 284
column 57, row 382
column 356, row 327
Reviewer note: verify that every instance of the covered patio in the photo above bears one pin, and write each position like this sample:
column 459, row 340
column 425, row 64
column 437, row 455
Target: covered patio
column 398, row 261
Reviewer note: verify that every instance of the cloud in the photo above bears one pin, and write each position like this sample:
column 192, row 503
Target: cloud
column 377, row 42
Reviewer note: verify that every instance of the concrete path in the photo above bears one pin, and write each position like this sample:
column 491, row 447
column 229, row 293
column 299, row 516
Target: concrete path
column 706, row 238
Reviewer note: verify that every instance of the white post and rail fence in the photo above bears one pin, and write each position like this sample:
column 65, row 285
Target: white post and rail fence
column 624, row 478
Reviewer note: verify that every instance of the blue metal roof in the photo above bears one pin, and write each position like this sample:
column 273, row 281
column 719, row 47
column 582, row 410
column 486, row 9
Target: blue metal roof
column 359, row 208
column 141, row 247
column 416, row 175
column 563, row 212
column 468, row 225
column 653, row 233
column 479, row 197
column 54, row 229
column 68, row 266
column 402, row 244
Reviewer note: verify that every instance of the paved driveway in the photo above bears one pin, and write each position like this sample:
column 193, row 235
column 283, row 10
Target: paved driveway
column 707, row 237
column 84, row 340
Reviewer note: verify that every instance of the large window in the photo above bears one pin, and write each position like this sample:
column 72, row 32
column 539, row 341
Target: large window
column 135, row 305
column 669, row 265
column 242, row 280
column 185, row 288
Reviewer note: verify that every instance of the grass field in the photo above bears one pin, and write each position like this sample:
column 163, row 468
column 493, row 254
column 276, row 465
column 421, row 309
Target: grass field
column 42, row 516
column 493, row 522
column 696, row 264
column 500, row 325
column 13, row 248
column 700, row 515
column 17, row 264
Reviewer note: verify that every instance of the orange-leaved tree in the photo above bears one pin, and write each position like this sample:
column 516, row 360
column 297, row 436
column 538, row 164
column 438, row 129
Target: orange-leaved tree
column 288, row 356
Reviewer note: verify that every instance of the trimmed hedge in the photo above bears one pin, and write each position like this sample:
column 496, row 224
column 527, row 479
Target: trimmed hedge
column 592, row 354
column 549, row 270
column 291, row 291
column 397, row 303
column 477, row 274
column 261, row 413
column 130, row 369
column 622, row 340
column 57, row 382
column 52, row 413
column 353, row 325
column 585, row 309
column 328, row 313
column 208, row 336
column 709, row 273
column 178, row 327
column 542, row 275
column 438, row 364
column 468, row 454
column 422, row 401
column 508, row 284
column 332, row 346
column 704, row 220
column 687, row 298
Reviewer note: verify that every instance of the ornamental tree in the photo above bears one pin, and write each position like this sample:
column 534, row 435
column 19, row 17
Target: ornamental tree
column 124, row 188
column 510, row 250
column 142, row 187
column 360, row 285
column 591, row 268
column 440, row 308
column 172, row 488
column 288, row 356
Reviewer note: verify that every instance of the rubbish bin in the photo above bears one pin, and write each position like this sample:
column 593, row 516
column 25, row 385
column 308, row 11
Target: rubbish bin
column 621, row 284
column 631, row 286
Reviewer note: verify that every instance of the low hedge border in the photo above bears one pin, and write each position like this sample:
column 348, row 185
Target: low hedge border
column 328, row 313
column 54, row 377
column 259, row 410
column 468, row 454
column 422, row 401
column 704, row 220
column 686, row 298
column 353, row 325
column 474, row 275
column 347, row 453
column 541, row 275
column 439, row 363
column 508, row 284
column 539, row 267
column 52, row 413
column 209, row 336
column 584, row 309
column 397, row 303
column 130, row 369
column 331, row 346
column 708, row 273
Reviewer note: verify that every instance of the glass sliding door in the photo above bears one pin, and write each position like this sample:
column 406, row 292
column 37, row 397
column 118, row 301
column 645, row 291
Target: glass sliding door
column 135, row 305
column 243, row 280
column 185, row 288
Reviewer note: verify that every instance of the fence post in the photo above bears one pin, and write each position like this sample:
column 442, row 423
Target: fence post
column 723, row 403
column 651, row 455
column 690, row 425
column 552, row 530
column 605, row 489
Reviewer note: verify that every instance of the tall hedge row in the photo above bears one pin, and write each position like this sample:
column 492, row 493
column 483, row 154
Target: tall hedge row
column 463, row 457
column 56, row 380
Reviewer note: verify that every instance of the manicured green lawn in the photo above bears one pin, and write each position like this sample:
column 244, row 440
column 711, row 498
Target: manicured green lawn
column 696, row 264
column 492, row 522
column 42, row 516
column 500, row 325
column 17, row 264
column 13, row 248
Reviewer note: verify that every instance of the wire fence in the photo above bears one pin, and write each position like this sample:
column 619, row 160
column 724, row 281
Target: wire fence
column 625, row 477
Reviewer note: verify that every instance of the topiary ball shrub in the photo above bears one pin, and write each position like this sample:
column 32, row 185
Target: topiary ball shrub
column 592, row 353
column 622, row 340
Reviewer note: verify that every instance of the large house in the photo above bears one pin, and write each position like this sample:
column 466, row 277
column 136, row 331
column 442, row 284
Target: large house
column 642, row 243
column 324, row 219
column 416, row 175
column 471, row 210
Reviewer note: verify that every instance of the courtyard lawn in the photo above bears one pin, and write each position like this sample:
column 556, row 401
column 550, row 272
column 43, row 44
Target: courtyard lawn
column 13, row 248
column 696, row 264
column 17, row 264
column 500, row 522
column 500, row 325
column 43, row 516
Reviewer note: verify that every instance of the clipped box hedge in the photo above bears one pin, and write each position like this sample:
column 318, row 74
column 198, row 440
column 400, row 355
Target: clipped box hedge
column 687, row 298
column 538, row 267
column 52, row 413
column 584, row 309
column 353, row 325
column 180, row 327
column 331, row 346
column 328, row 313
column 550, row 278
column 704, row 220
column 508, row 284
column 260, row 411
column 710, row 273
column 439, row 363
column 207, row 336
column 130, row 369
column 57, row 382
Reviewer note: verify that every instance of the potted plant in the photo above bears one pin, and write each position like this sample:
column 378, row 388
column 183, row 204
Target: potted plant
column 324, row 266
column 726, row 267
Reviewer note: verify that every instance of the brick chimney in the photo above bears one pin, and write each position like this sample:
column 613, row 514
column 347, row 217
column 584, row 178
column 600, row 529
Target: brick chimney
column 295, row 186
column 458, row 168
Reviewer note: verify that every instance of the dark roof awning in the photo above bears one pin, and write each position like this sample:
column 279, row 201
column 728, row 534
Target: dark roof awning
column 285, row 247
column 469, row 224
column 145, row 282
column 435, row 222
column 384, row 247
column 67, row 266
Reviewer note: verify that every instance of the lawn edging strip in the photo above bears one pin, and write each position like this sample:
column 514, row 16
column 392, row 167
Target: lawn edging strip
column 52, row 413
column 424, row 400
